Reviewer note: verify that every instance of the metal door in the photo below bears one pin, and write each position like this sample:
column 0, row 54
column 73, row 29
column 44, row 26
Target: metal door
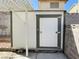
column 49, row 31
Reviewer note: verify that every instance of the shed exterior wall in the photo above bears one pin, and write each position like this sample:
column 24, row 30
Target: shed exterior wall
column 32, row 27
column 19, row 29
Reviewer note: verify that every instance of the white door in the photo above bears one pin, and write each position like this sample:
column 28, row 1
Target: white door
column 48, row 29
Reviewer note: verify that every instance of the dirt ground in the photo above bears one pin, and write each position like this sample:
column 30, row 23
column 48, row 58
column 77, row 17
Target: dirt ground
column 5, row 45
column 5, row 42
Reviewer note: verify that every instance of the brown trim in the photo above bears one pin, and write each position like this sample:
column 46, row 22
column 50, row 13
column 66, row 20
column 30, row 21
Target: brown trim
column 7, row 41
column 46, row 10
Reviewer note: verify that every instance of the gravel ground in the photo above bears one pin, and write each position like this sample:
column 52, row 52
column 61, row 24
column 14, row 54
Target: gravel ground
column 11, row 55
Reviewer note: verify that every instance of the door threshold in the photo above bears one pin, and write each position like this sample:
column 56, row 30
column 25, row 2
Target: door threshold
column 47, row 50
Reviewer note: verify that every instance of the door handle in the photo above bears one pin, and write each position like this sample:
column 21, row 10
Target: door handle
column 58, row 32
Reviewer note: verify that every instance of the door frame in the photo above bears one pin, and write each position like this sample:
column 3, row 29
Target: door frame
column 38, row 16
column 11, row 27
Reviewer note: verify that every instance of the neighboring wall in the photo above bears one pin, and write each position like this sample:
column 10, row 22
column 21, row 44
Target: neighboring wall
column 74, row 9
column 70, row 44
column 5, row 28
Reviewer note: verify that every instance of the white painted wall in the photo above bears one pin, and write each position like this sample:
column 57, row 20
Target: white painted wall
column 32, row 27
column 19, row 29
column 31, row 30
column 46, row 6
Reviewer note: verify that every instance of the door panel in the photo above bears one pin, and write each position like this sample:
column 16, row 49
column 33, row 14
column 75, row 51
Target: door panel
column 48, row 29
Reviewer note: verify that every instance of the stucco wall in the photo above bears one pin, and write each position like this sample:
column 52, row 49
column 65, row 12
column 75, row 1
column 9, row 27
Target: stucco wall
column 70, row 47
column 46, row 6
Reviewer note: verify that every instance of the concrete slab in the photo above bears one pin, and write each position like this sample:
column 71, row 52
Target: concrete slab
column 51, row 56
column 47, row 56
column 11, row 55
